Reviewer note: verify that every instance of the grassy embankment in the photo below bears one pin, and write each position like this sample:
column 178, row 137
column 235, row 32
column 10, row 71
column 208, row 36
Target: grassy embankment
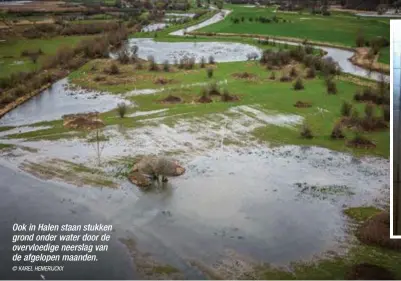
column 339, row 28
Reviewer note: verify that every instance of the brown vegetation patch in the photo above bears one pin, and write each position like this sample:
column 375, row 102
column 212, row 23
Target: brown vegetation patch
column 171, row 99
column 163, row 81
column 363, row 59
column 367, row 271
column 303, row 104
column 245, row 75
column 139, row 179
column 376, row 232
column 361, row 142
column 226, row 97
column 366, row 124
column 83, row 121
column 205, row 99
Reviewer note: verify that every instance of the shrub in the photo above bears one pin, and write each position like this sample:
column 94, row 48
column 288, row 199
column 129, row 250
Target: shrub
column 213, row 89
column 202, row 62
column 211, row 60
column 337, row 132
column 311, row 73
column 273, row 76
column 152, row 64
column 298, row 85
column 293, row 72
column 360, row 39
column 285, row 78
column 346, row 109
column 209, row 72
column 123, row 57
column 386, row 113
column 122, row 109
column 306, row 131
column 114, row 69
column 369, row 110
column 166, row 66
column 331, row 86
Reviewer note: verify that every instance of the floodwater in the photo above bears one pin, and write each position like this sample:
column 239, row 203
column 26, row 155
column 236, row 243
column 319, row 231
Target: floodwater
column 57, row 101
column 154, row 27
column 222, row 52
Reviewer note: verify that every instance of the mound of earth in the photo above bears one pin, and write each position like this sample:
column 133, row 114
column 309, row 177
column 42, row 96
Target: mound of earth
column 302, row 104
column 139, row 179
column 163, row 81
column 171, row 99
column 285, row 78
column 227, row 98
column 361, row 142
column 367, row 271
column 83, row 121
column 205, row 99
column 244, row 75
column 376, row 232
column 369, row 125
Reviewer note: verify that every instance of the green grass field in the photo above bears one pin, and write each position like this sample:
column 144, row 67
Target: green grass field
column 271, row 95
column 338, row 28
column 12, row 62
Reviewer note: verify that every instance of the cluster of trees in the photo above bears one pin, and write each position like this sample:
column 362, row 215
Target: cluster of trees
column 55, row 67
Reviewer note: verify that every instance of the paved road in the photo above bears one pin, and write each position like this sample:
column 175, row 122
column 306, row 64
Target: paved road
column 25, row 199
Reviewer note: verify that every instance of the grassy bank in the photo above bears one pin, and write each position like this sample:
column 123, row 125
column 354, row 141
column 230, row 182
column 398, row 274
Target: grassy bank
column 337, row 28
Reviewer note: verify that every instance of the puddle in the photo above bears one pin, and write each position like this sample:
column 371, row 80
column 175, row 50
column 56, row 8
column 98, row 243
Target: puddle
column 145, row 113
column 185, row 15
column 56, row 101
column 24, row 129
column 222, row 52
column 274, row 119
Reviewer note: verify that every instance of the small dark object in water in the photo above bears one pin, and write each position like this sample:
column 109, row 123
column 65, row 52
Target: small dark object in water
column 367, row 271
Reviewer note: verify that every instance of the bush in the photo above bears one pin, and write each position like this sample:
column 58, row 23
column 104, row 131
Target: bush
column 311, row 73
column 152, row 64
column 306, row 132
column 114, row 69
column 337, row 132
column 293, row 72
column 122, row 109
column 331, row 87
column 298, row 85
column 211, row 60
column 209, row 72
column 285, row 78
column 273, row 76
column 360, row 39
column 202, row 62
column 369, row 110
column 386, row 113
column 166, row 66
column 346, row 109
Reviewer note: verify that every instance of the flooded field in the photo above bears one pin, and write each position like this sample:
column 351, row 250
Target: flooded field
column 57, row 101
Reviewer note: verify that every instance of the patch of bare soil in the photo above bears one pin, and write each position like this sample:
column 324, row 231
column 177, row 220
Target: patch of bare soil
column 171, row 99
column 85, row 121
column 303, row 104
column 163, row 81
column 227, row 97
column 361, row 142
column 376, row 232
column 205, row 99
column 139, row 180
column 148, row 267
column 366, row 124
column 362, row 58
column 367, row 271
column 245, row 75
